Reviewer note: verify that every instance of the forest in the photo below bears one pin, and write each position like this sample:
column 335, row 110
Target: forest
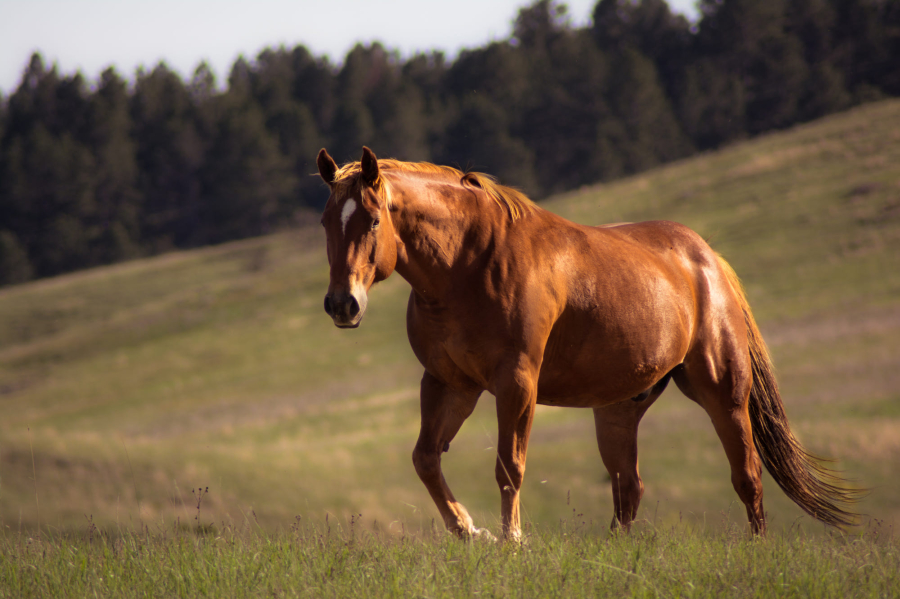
column 96, row 172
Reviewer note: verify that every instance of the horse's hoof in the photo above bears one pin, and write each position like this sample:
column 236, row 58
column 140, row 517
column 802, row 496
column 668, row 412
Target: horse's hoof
column 483, row 534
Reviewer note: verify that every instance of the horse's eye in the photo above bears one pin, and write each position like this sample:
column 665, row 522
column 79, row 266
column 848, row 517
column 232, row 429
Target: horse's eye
column 375, row 223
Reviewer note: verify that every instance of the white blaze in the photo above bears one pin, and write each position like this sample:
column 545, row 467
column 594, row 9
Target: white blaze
column 346, row 212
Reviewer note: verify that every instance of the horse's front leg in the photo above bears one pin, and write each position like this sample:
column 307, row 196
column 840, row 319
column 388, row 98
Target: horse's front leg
column 516, row 400
column 443, row 412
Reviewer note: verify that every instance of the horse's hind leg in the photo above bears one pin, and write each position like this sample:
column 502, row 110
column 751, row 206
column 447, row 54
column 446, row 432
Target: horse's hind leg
column 720, row 382
column 617, row 429
column 443, row 413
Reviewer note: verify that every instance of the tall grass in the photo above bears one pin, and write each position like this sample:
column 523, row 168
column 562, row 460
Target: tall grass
column 330, row 560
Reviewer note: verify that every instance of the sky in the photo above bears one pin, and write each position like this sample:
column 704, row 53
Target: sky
column 91, row 35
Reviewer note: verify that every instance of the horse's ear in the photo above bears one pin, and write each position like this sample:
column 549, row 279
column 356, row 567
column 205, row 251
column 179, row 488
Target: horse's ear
column 369, row 166
column 327, row 167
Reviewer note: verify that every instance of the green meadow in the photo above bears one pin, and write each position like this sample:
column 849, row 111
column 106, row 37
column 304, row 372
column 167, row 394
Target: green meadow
column 126, row 389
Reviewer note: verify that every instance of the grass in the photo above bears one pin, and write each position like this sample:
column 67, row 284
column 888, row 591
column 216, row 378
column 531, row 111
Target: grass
column 570, row 560
column 123, row 388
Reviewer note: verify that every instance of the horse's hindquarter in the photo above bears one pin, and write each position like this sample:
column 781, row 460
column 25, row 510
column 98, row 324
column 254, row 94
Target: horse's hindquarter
column 629, row 313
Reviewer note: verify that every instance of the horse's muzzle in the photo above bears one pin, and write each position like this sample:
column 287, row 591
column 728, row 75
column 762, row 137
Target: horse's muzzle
column 344, row 309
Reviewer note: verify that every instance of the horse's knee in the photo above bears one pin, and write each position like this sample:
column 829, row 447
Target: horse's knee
column 427, row 463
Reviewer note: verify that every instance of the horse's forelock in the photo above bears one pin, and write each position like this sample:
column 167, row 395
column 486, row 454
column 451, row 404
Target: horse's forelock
column 348, row 182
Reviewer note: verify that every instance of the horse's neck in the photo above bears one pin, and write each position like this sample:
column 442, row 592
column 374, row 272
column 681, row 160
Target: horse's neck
column 432, row 231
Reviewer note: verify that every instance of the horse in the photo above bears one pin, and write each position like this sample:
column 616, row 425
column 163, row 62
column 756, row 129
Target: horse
column 510, row 298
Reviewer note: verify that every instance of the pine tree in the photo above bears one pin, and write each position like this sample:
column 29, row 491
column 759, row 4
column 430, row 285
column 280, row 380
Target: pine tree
column 862, row 44
column 653, row 135
column 353, row 125
column 426, row 74
column 497, row 72
column 48, row 190
column 244, row 177
column 478, row 139
column 314, row 86
column 117, row 197
column 14, row 264
column 568, row 76
column 290, row 121
column 755, row 44
column 812, row 23
column 889, row 78
column 170, row 150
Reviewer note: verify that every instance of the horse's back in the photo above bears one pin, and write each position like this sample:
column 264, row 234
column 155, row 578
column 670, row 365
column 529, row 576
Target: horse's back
column 662, row 237
column 635, row 259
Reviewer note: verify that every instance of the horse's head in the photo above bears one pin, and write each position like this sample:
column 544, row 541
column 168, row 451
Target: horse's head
column 360, row 241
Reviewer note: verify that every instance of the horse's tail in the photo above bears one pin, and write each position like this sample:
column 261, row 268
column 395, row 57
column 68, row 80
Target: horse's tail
column 817, row 489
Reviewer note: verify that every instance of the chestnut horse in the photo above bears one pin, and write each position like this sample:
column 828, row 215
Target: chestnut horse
column 510, row 298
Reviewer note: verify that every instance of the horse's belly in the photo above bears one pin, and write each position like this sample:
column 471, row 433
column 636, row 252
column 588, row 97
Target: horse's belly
column 590, row 363
column 576, row 387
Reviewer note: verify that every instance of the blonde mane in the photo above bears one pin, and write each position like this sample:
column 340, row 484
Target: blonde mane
column 347, row 181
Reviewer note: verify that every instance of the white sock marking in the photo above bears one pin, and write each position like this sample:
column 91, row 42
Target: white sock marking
column 346, row 212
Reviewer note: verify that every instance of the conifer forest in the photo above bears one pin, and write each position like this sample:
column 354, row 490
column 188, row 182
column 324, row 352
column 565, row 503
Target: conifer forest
column 130, row 165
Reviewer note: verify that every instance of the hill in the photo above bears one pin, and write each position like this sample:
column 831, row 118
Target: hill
column 124, row 388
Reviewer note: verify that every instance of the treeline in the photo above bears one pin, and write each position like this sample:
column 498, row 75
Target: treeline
column 96, row 173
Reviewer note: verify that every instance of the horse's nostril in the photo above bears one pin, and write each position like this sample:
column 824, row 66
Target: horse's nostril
column 354, row 307
column 329, row 306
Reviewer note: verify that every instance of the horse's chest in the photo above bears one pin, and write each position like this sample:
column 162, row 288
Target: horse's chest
column 459, row 356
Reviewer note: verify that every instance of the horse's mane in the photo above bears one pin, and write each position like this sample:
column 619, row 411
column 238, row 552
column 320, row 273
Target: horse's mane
column 347, row 180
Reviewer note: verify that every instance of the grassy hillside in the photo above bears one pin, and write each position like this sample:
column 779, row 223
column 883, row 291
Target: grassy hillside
column 125, row 388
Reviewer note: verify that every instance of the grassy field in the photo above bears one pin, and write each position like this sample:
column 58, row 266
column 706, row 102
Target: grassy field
column 124, row 389
column 568, row 560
